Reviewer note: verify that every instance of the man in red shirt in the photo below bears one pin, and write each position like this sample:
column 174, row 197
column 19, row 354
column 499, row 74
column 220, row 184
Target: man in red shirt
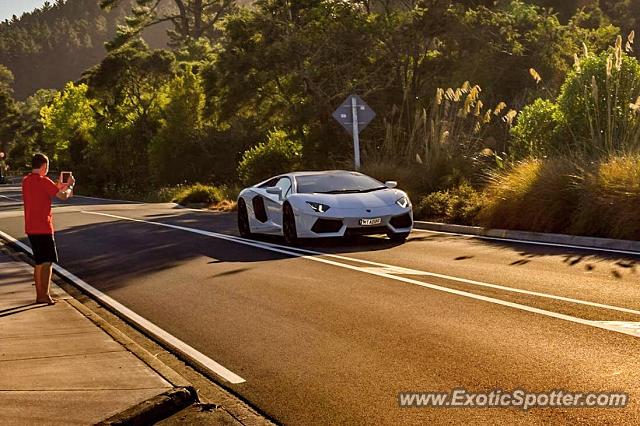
column 37, row 192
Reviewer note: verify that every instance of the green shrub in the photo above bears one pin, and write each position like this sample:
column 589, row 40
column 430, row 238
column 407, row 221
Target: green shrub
column 278, row 155
column 537, row 130
column 459, row 205
column 595, row 102
column 164, row 195
column 200, row 194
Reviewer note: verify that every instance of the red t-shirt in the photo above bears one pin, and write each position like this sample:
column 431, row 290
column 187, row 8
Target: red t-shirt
column 37, row 192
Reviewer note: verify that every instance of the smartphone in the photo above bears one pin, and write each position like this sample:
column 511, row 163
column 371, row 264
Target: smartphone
column 64, row 177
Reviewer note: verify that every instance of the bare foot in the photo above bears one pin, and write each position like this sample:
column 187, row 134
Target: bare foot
column 48, row 301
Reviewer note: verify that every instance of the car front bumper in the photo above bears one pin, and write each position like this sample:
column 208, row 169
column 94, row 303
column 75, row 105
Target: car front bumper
column 341, row 222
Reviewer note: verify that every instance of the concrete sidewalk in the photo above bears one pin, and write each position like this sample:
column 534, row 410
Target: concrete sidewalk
column 56, row 365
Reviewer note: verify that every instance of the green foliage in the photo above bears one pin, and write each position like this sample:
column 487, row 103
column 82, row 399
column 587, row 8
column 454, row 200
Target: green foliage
column 129, row 88
column 538, row 131
column 459, row 205
column 54, row 44
column 191, row 20
column 68, row 124
column 8, row 109
column 26, row 132
column 595, row 99
column 500, row 44
column 196, row 194
column 279, row 154
column 176, row 153
column 142, row 121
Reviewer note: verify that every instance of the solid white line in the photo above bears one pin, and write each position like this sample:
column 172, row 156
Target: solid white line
column 147, row 325
column 536, row 243
column 107, row 199
column 251, row 243
column 406, row 271
column 11, row 198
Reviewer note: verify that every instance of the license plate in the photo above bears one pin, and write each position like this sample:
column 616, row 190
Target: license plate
column 369, row 222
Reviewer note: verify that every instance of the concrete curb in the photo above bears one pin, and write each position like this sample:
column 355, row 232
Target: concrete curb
column 154, row 409
column 154, row 363
column 590, row 243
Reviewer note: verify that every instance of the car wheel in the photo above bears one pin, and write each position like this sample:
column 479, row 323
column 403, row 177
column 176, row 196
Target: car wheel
column 243, row 220
column 289, row 225
column 398, row 237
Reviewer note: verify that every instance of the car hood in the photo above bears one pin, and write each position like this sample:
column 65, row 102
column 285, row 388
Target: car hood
column 382, row 198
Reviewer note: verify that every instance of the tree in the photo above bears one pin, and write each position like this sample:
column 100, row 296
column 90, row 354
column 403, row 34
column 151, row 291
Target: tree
column 8, row 111
column 191, row 19
column 177, row 153
column 128, row 87
column 68, row 124
column 28, row 137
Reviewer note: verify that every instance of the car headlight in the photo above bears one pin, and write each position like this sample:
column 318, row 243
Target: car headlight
column 403, row 202
column 318, row 207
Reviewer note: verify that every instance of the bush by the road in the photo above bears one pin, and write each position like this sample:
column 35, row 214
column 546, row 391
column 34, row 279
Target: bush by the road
column 567, row 195
column 533, row 195
column 200, row 194
column 611, row 199
column 459, row 205
column 279, row 154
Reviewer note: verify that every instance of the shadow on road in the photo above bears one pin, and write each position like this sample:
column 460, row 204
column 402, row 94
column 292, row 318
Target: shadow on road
column 116, row 250
column 114, row 253
column 618, row 264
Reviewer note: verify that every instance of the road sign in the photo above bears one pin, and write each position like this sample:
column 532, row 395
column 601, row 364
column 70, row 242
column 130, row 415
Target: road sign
column 354, row 115
column 344, row 114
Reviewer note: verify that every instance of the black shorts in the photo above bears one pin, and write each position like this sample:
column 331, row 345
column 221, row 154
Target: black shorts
column 44, row 248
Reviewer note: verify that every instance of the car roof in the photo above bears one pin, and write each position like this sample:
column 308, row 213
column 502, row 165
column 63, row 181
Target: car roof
column 324, row 172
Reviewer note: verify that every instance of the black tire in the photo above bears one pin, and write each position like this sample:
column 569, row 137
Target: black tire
column 289, row 226
column 243, row 220
column 398, row 237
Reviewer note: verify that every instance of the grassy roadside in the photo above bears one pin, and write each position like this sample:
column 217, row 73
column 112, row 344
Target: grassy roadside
column 218, row 198
column 561, row 195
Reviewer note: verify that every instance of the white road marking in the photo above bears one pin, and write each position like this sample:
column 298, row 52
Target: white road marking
column 108, row 199
column 602, row 325
column 391, row 269
column 156, row 331
column 634, row 327
column 535, row 243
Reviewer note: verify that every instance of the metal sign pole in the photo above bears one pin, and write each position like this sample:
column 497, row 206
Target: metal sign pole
column 356, row 132
column 354, row 115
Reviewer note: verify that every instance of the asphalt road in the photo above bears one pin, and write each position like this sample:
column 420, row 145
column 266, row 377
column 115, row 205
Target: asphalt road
column 332, row 335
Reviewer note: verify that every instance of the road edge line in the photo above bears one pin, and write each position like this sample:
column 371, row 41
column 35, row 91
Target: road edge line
column 176, row 346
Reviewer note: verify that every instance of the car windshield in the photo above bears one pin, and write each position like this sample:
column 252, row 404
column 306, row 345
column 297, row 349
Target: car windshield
column 337, row 183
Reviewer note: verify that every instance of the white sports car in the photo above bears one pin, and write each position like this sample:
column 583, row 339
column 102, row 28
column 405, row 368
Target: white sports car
column 324, row 204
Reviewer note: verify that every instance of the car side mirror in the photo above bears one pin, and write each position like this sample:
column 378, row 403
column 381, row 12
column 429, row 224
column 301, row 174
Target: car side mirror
column 391, row 184
column 274, row 190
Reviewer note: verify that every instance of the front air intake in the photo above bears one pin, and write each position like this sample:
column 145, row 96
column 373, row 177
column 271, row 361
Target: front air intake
column 326, row 226
column 403, row 221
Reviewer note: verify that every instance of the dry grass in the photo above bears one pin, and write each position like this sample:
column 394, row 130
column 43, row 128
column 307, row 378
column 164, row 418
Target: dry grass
column 535, row 195
column 225, row 206
column 566, row 195
column 611, row 199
